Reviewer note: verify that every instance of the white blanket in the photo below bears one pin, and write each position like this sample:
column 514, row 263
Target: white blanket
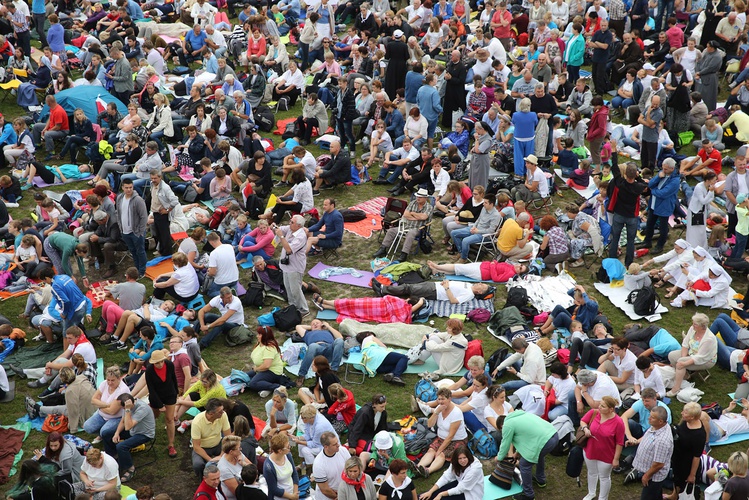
column 618, row 297
column 585, row 193
column 548, row 291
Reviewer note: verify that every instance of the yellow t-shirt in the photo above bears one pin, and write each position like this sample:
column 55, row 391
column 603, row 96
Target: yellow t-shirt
column 509, row 235
column 263, row 352
column 209, row 433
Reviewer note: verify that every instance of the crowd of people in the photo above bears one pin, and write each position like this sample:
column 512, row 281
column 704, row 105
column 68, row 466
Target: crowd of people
column 445, row 98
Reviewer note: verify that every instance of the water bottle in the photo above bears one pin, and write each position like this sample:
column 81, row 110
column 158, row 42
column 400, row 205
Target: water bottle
column 555, row 339
column 374, row 222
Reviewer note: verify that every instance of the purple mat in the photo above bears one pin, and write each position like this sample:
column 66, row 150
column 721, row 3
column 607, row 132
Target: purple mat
column 346, row 279
column 39, row 182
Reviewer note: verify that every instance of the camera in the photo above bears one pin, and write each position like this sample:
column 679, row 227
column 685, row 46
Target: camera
column 285, row 261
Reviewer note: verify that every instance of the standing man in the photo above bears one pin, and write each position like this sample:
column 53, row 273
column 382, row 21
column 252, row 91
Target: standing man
column 428, row 101
column 706, row 74
column 231, row 315
column 322, row 340
column 455, row 90
column 164, row 205
column 651, row 463
column 105, row 241
column 137, row 427
column 122, row 76
column 222, row 265
column 38, row 16
column 533, row 439
column 293, row 261
column 600, row 42
column 624, row 203
column 56, row 128
column 328, row 467
column 663, row 189
column 20, row 27
column 133, row 219
column 651, row 128
column 346, row 114
column 501, row 23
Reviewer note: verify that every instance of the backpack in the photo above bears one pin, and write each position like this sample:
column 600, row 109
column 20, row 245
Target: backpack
column 304, row 483
column 602, row 275
column 287, row 318
column 353, row 215
column 483, row 445
column 59, row 423
column 423, row 313
column 575, row 462
column 420, row 439
column 191, row 194
column 218, row 215
column 479, row 315
column 496, row 358
column 255, row 295
column 474, row 349
column 644, row 301
column 425, row 390
column 713, row 410
column 517, row 296
column 264, row 118
column 239, row 335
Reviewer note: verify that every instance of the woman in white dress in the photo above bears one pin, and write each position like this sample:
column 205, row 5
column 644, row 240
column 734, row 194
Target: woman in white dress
column 703, row 195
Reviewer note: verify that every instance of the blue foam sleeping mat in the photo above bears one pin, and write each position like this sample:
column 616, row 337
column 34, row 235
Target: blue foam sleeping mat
column 492, row 492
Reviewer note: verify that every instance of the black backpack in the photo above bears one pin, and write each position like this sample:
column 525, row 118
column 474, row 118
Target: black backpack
column 350, row 215
column 255, row 295
column 287, row 318
column 644, row 301
column 602, row 275
column 264, row 118
column 517, row 296
column 575, row 462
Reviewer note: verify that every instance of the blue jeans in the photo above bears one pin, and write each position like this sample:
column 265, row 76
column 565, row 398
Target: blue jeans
column 688, row 190
column 122, row 449
column 96, row 424
column 617, row 226
column 76, row 320
column 621, row 102
column 562, row 317
column 214, row 289
column 346, row 133
column 417, row 143
column 728, row 330
column 138, row 184
column 215, row 331
column 136, row 245
column 557, row 412
column 156, row 137
column 740, row 246
column 264, row 381
column 395, row 363
column 472, row 422
column 333, row 352
column 526, row 467
column 463, row 239
column 514, row 385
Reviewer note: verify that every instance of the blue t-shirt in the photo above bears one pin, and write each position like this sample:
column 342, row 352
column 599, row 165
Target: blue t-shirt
column 205, row 183
column 644, row 413
column 663, row 343
column 315, row 336
column 37, row 7
column 197, row 41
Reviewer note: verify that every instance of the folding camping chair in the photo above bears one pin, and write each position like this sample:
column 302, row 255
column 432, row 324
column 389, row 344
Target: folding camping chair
column 394, row 206
column 488, row 243
column 424, row 233
column 13, row 84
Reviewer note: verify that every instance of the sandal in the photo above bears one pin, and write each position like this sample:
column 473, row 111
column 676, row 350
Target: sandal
column 91, row 182
column 127, row 476
column 659, row 284
column 318, row 300
column 670, row 294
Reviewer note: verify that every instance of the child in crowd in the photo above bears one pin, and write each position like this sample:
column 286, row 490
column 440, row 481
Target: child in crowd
column 604, row 176
column 359, row 172
column 558, row 132
column 580, row 177
column 636, row 278
column 25, row 256
column 718, row 247
column 606, row 150
column 344, row 407
column 742, row 226
column 10, row 189
column 567, row 159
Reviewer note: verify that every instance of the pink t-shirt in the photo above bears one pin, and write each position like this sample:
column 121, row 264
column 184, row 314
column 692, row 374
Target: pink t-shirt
column 602, row 446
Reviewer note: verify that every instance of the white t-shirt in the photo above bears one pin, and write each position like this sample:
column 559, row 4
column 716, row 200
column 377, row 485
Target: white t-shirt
column 188, row 281
column 100, row 476
column 563, row 388
column 85, row 349
column 627, row 364
column 225, row 262
column 490, row 413
column 229, row 471
column 654, row 381
column 108, row 397
column 414, row 12
column 460, row 289
column 310, row 164
column 733, row 423
column 443, row 425
column 540, row 177
column 4, row 380
column 604, row 386
column 479, row 401
column 328, row 470
column 235, row 305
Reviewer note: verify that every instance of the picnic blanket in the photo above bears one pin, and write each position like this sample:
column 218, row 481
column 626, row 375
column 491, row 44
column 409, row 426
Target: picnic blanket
column 32, row 357
column 346, row 279
column 443, row 308
column 372, row 208
column 618, row 297
column 11, row 440
column 281, row 127
column 390, row 334
column 585, row 193
column 9, row 295
column 98, row 292
column 546, row 292
column 430, row 365
column 39, row 182
column 165, row 266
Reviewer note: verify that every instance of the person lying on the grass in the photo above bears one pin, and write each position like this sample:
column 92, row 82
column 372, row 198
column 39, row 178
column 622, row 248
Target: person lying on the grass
column 499, row 272
column 50, row 174
column 729, row 423
column 456, row 292
column 386, row 309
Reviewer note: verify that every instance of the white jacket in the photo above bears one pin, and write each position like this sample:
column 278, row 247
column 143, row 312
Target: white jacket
column 470, row 482
column 451, row 350
column 533, row 370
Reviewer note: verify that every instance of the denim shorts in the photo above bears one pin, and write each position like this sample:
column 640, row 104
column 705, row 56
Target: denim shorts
column 716, row 432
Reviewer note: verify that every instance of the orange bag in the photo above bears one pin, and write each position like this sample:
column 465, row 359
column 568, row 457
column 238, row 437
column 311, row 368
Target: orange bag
column 55, row 423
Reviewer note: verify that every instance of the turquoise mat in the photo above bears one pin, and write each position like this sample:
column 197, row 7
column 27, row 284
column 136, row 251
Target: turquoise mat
column 492, row 492
column 327, row 315
column 429, row 365
column 99, row 372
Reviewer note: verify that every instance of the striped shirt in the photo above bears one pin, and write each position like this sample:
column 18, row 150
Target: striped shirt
column 659, row 446
column 20, row 18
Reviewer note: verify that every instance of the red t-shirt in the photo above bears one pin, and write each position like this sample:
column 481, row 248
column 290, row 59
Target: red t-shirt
column 180, row 361
column 347, row 409
column 715, row 155
column 58, row 116
column 502, row 31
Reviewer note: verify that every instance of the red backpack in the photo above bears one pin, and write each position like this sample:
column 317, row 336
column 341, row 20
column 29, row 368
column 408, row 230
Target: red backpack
column 218, row 215
column 474, row 349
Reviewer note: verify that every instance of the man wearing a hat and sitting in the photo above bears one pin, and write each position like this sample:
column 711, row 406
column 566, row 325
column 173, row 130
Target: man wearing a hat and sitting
column 417, row 214
column 535, row 186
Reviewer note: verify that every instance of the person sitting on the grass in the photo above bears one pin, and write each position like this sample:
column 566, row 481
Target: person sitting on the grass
column 314, row 427
column 563, row 385
column 369, row 421
column 136, row 427
column 77, row 406
column 729, row 423
column 10, row 189
column 514, row 236
column 387, row 309
column 464, row 478
column 63, row 454
column 133, row 319
column 451, row 434
column 332, row 236
column 714, row 290
column 182, row 283
column 499, row 272
column 99, row 474
column 141, row 352
column 648, row 376
column 619, row 362
column 206, row 432
column 635, row 429
column 473, row 407
column 456, row 292
column 323, row 340
column 231, row 315
column 584, row 309
column 531, row 371
column 198, row 395
column 591, row 387
column 281, row 413
column 448, row 349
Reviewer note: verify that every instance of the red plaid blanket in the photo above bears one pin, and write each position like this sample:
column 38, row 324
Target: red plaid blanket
column 386, row 309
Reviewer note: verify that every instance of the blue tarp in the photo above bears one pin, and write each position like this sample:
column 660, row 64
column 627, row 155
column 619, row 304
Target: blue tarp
column 83, row 97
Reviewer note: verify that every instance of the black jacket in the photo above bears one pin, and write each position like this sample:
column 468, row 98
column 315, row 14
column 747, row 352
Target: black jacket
column 348, row 110
column 362, row 426
column 624, row 197
column 232, row 125
column 109, row 232
column 338, row 169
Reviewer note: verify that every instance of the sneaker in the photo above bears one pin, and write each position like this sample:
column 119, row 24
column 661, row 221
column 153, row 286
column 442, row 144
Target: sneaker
column 35, row 384
column 171, row 452
column 671, row 394
column 521, row 496
column 264, row 394
column 18, row 371
column 32, row 410
column 96, row 440
column 423, row 471
column 315, row 192
column 398, row 381
column 539, row 483
column 281, row 184
column 631, row 477
column 183, row 426
column 388, row 377
column 107, row 338
column 117, row 346
column 38, row 338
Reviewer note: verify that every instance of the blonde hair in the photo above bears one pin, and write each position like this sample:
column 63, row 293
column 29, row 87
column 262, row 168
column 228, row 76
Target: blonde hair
column 737, row 463
column 113, row 371
column 634, row 268
column 307, row 411
column 693, row 409
column 525, row 105
column 93, row 455
column 229, row 443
